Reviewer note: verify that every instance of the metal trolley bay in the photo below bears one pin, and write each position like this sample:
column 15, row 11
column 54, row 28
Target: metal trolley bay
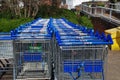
column 53, row 49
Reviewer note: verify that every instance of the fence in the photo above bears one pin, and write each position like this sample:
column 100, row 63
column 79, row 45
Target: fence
column 103, row 12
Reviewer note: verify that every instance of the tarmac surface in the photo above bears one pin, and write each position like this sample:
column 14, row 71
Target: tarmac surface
column 113, row 67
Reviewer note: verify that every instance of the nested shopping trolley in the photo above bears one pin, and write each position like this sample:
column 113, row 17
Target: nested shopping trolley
column 32, row 51
column 6, row 57
column 81, row 53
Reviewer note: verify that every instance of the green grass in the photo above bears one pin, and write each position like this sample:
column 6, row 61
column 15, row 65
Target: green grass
column 7, row 25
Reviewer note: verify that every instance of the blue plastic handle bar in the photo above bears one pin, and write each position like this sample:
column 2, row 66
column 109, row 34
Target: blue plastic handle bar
column 80, row 39
column 6, row 38
column 32, row 38
column 65, row 36
column 83, row 43
column 69, row 36
column 36, row 35
column 77, row 37
column 84, row 40
column 5, row 33
column 37, row 27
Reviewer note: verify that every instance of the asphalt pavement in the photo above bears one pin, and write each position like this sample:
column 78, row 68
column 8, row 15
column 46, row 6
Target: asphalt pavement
column 113, row 67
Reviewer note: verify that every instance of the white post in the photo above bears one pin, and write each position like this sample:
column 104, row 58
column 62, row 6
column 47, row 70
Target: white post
column 84, row 8
column 95, row 11
column 102, row 11
column 110, row 13
column 87, row 9
column 91, row 10
column 81, row 7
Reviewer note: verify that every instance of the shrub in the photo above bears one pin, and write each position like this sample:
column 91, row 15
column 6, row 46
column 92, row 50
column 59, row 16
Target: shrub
column 7, row 25
column 51, row 11
column 6, row 14
column 85, row 21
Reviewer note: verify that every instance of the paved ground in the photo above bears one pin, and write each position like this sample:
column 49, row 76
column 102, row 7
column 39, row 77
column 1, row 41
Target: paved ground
column 113, row 67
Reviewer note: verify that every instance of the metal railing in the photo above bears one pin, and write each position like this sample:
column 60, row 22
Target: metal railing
column 103, row 12
column 114, row 6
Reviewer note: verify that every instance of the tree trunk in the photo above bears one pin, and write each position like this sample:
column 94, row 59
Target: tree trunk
column 35, row 11
column 29, row 8
column 25, row 8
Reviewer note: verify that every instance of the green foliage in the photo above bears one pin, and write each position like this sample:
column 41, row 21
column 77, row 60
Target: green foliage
column 7, row 25
column 6, row 14
column 51, row 11
column 9, row 21
column 85, row 21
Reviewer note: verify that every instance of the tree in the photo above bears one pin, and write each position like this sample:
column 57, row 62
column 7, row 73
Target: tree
column 56, row 3
column 23, row 8
column 30, row 8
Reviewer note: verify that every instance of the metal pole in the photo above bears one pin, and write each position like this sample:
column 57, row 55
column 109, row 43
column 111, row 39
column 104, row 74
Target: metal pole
column 14, row 72
column 14, row 61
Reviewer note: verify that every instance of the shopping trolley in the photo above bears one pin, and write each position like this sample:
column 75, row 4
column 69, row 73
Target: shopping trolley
column 81, row 53
column 32, row 50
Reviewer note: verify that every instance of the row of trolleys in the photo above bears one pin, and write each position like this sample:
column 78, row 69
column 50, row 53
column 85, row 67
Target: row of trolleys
column 55, row 49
